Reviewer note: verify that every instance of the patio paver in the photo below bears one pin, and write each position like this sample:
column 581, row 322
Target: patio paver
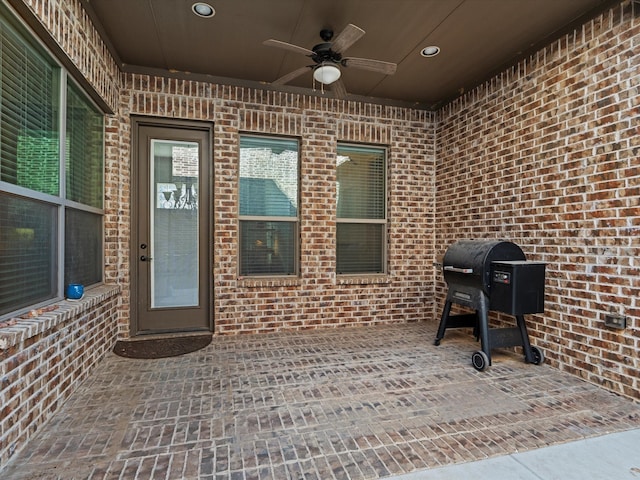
column 351, row 403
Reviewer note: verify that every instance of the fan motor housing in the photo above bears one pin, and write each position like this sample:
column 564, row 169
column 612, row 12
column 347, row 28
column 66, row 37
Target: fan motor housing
column 323, row 53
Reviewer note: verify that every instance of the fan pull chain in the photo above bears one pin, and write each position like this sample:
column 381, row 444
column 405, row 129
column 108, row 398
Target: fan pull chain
column 314, row 85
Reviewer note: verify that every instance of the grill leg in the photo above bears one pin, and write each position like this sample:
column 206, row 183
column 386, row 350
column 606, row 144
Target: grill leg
column 483, row 325
column 443, row 322
column 526, row 345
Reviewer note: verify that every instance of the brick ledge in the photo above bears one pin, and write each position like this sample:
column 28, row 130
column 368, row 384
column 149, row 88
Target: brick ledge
column 26, row 328
column 376, row 279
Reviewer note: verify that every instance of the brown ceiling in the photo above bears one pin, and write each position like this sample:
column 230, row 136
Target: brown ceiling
column 477, row 38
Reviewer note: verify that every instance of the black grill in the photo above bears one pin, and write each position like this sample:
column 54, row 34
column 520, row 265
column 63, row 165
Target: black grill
column 486, row 275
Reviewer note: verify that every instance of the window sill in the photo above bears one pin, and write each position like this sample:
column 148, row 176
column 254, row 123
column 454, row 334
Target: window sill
column 376, row 279
column 268, row 281
column 254, row 282
column 40, row 321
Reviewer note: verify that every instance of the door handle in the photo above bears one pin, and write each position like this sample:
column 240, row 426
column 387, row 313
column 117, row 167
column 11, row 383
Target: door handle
column 144, row 258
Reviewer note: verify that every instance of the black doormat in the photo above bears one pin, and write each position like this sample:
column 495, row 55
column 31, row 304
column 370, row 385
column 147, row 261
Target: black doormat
column 161, row 347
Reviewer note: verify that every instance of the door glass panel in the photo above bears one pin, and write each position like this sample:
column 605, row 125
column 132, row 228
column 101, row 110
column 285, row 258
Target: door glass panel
column 174, row 224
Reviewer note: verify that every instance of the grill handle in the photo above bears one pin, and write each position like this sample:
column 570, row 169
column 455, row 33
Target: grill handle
column 451, row 268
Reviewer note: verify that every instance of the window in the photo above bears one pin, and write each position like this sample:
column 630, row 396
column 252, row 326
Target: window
column 84, row 144
column 28, row 246
column 268, row 206
column 84, row 186
column 29, row 115
column 361, row 212
column 50, row 230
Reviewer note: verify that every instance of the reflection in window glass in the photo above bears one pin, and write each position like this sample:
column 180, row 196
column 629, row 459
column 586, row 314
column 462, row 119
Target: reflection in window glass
column 361, row 209
column 268, row 206
column 27, row 252
column 82, row 248
column 29, row 126
column 84, row 146
column 267, row 248
column 175, row 224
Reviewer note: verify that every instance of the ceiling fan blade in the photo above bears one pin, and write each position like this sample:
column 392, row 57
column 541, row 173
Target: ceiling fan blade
column 290, row 76
column 346, row 38
column 287, row 46
column 368, row 64
column 339, row 89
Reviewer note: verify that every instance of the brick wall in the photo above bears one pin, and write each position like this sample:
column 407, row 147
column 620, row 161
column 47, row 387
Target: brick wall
column 71, row 28
column 117, row 221
column 45, row 356
column 317, row 297
column 546, row 155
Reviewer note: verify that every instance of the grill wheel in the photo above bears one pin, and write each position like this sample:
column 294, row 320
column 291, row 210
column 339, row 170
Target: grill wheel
column 480, row 360
column 538, row 355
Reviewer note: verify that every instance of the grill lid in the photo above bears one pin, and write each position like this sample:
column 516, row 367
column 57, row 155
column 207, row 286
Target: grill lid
column 468, row 262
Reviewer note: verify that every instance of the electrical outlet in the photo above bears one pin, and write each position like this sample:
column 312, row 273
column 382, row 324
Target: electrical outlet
column 614, row 320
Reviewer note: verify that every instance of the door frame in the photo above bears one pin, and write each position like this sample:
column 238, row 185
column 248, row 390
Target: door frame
column 138, row 121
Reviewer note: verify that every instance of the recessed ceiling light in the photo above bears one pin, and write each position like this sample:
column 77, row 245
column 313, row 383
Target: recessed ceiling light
column 430, row 51
column 203, row 10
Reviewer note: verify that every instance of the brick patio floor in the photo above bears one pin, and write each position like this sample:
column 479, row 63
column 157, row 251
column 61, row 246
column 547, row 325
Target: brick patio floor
column 356, row 403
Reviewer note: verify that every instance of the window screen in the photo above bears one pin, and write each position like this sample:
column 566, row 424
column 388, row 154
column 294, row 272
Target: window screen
column 361, row 209
column 268, row 206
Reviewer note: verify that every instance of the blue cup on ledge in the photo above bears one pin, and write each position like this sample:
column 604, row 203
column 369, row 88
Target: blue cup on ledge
column 75, row 291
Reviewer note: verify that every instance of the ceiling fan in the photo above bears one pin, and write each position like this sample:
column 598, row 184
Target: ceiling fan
column 328, row 59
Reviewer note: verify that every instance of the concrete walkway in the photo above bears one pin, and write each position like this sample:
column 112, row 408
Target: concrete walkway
column 610, row 457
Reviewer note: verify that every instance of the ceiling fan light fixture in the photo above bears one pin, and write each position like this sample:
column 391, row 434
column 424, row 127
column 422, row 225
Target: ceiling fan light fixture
column 203, row 10
column 326, row 73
